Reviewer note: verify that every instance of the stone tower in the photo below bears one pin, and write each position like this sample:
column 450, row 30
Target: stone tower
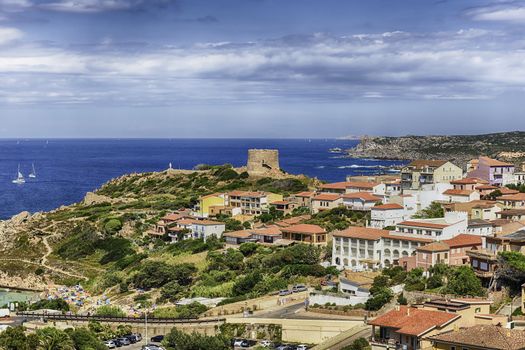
column 263, row 161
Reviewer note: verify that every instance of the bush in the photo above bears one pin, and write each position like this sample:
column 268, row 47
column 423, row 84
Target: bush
column 53, row 304
column 155, row 274
column 109, row 310
column 112, row 226
column 182, row 341
column 245, row 284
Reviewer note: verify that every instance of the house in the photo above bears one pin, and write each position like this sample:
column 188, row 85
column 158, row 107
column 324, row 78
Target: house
column 162, row 226
column 252, row 203
column 468, row 308
column 305, row 233
column 268, row 235
column 506, row 226
column 238, row 237
column 353, row 186
column 304, row 199
column 484, row 264
column 363, row 201
column 461, row 196
column 408, row 328
column 451, row 225
column 468, row 183
column 215, row 210
column 336, row 187
column 285, row 207
column 485, row 190
column 480, row 227
column 385, row 215
column 479, row 337
column 421, row 172
column 478, row 209
column 429, row 193
column 512, row 214
column 496, row 172
column 365, row 248
column 294, row 220
column 206, row 228
column 512, row 201
column 202, row 208
column 326, row 201
column 519, row 177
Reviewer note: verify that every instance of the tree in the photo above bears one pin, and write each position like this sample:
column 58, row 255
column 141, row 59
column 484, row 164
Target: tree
column 14, row 338
column 415, row 280
column 358, row 344
column 463, row 281
column 54, row 339
column 172, row 291
column 108, row 310
column 434, row 210
column 53, row 304
column 248, row 249
column 511, row 270
column 245, row 284
column 85, row 339
column 381, row 297
column 112, row 226
column 181, row 341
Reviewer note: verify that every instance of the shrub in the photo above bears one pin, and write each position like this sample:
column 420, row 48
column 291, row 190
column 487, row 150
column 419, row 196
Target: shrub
column 109, row 310
column 112, row 226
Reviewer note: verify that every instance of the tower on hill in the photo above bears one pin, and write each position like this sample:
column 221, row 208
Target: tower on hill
column 263, row 161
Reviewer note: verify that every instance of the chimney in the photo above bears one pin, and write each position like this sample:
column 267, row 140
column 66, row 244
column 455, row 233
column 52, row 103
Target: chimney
column 397, row 307
column 408, row 311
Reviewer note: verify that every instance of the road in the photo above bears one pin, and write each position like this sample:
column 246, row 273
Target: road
column 515, row 304
column 297, row 312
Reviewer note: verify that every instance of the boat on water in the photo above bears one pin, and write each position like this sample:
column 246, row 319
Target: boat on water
column 33, row 172
column 20, row 177
column 335, row 150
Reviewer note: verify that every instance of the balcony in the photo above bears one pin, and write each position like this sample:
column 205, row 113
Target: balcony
column 390, row 344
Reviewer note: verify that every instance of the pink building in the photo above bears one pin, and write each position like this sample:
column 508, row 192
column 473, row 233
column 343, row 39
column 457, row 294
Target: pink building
column 494, row 171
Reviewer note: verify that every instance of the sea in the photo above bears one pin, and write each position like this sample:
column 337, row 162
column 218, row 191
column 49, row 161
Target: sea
column 68, row 168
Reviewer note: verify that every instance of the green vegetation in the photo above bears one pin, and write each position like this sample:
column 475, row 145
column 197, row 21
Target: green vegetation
column 435, row 210
column 193, row 310
column 182, row 341
column 109, row 310
column 53, row 304
column 511, row 271
column 358, row 344
column 338, row 218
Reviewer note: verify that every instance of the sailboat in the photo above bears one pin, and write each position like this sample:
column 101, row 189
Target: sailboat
column 33, row 172
column 20, row 178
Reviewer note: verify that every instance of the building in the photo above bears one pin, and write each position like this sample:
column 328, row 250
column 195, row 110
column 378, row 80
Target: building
column 266, row 235
column 512, row 214
column 479, row 337
column 385, row 215
column 409, row 328
column 252, row 203
column 519, row 177
column 294, row 220
column 478, row 209
column 512, row 201
column 206, row 228
column 304, row 199
column 326, row 201
column 480, row 227
column 353, row 187
column 336, row 187
column 262, row 162
column 451, row 225
column 461, row 196
column 305, row 233
column 470, row 309
column 496, row 172
column 364, row 248
column 421, row 172
column 285, row 207
column 202, row 208
column 468, row 183
column 363, row 201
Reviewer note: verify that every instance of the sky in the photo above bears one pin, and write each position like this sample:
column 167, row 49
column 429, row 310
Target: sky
column 260, row 68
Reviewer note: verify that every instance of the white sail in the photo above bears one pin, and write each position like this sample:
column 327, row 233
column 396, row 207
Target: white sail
column 33, row 172
column 20, row 177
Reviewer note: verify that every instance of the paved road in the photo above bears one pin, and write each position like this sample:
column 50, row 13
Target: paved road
column 297, row 312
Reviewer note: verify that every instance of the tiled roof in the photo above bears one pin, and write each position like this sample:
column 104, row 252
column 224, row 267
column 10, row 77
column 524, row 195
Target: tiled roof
column 361, row 184
column 413, row 321
column 494, row 162
column 268, row 231
column 485, row 337
column 305, row 194
column 327, row 197
column 207, row 222
column 486, row 187
column 469, row 181
column 389, row 206
column 422, row 224
column 238, row 234
column 304, row 228
column 513, row 197
column 335, row 186
column 366, row 196
column 293, row 220
column 172, row 217
column 361, row 233
column 280, row 203
column 186, row 221
column 463, row 240
column 512, row 212
column 506, row 190
column 458, row 192
column 435, row 247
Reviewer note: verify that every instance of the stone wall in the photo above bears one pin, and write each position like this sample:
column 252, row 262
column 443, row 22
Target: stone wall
column 263, row 161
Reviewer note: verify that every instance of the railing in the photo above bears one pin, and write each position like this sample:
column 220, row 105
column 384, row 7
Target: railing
column 87, row 318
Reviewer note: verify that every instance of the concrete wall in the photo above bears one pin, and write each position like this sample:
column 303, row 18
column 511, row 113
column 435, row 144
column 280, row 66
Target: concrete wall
column 322, row 299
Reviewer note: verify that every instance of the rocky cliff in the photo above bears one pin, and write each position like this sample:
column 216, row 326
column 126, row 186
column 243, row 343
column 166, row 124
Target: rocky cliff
column 508, row 146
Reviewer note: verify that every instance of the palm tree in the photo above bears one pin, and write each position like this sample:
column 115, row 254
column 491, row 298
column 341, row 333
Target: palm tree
column 54, row 339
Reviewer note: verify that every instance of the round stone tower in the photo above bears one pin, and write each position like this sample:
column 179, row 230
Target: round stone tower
column 263, row 161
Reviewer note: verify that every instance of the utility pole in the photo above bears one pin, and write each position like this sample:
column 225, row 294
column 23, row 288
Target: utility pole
column 146, row 325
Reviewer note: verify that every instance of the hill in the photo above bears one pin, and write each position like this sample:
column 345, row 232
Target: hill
column 509, row 146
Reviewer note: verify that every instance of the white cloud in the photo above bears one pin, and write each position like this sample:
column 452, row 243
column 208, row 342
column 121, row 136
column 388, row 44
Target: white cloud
column 94, row 6
column 9, row 34
column 504, row 12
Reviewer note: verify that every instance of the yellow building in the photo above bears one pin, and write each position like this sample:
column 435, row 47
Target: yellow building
column 422, row 172
column 202, row 209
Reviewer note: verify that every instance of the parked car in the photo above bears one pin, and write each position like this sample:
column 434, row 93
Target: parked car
column 246, row 343
column 266, row 343
column 284, row 347
column 301, row 347
column 110, row 344
column 299, row 288
column 134, row 338
column 117, row 342
column 157, row 339
column 125, row 341
column 285, row 292
column 238, row 342
column 151, row 347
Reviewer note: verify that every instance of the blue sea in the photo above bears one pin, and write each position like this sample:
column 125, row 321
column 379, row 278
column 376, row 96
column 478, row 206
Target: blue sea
column 67, row 169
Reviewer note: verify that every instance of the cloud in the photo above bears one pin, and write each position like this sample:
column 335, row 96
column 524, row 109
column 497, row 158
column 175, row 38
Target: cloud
column 507, row 11
column 466, row 64
column 8, row 35
column 83, row 6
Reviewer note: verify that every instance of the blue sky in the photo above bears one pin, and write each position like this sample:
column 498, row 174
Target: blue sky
column 260, row 68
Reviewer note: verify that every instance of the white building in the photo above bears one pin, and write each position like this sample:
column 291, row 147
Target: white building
column 362, row 248
column 439, row 229
column 207, row 228
column 385, row 215
column 461, row 196
column 429, row 193
column 360, row 200
column 480, row 227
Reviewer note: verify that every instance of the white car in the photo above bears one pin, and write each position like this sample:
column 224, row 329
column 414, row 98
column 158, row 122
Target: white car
column 238, row 342
column 110, row 344
column 301, row 347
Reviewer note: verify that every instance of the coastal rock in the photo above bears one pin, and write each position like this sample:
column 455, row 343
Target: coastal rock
column 20, row 218
column 93, row 198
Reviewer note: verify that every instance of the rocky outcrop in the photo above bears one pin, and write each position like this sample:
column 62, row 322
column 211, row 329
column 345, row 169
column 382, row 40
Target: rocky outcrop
column 456, row 148
column 93, row 198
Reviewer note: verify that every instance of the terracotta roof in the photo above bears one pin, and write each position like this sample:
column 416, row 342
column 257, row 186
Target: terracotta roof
column 335, row 186
column 238, row 234
column 435, row 247
column 512, row 212
column 212, row 195
column 304, row 228
column 362, row 233
column 459, row 192
column 327, row 197
column 463, row 240
column 422, row 224
column 513, row 197
column 366, row 196
column 305, row 194
column 486, row 187
column 390, row 206
column 423, row 163
column 413, row 321
column 268, row 231
column 469, row 181
column 506, row 190
column 172, row 217
column 207, row 222
column 484, row 336
column 361, row 184
column 494, row 162
column 280, row 202
column 293, row 220
column 185, row 221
